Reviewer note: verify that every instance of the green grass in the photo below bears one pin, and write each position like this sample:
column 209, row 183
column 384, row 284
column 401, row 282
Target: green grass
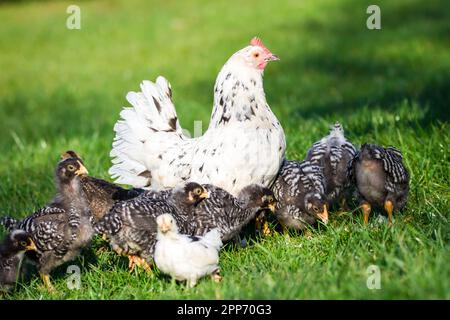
column 62, row 89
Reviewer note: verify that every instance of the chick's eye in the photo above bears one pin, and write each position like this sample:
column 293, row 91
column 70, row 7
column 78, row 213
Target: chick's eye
column 71, row 167
column 198, row 191
column 23, row 243
column 315, row 209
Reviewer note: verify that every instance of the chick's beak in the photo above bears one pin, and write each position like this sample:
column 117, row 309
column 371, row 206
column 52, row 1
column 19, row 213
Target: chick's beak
column 271, row 206
column 164, row 228
column 82, row 171
column 324, row 215
column 31, row 247
column 204, row 194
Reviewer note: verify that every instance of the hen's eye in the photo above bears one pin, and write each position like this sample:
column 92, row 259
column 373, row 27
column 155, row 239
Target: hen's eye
column 256, row 55
column 71, row 167
column 23, row 243
column 198, row 191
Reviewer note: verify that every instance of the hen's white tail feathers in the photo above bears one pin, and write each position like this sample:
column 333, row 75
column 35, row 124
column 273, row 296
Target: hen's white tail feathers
column 213, row 239
column 152, row 111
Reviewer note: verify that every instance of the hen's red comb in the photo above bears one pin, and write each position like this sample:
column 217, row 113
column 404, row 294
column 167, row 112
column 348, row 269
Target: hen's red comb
column 257, row 42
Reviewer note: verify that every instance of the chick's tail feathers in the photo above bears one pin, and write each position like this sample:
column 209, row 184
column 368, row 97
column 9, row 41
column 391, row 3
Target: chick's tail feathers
column 152, row 112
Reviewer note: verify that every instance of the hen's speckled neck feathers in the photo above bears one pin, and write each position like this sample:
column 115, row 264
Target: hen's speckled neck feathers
column 239, row 95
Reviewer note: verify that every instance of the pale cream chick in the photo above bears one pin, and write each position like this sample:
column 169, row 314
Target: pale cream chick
column 186, row 258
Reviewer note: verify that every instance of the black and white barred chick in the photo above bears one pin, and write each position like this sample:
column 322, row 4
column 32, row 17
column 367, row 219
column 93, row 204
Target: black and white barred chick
column 183, row 198
column 227, row 213
column 101, row 194
column 333, row 153
column 130, row 226
column 62, row 228
column 300, row 191
column 12, row 251
column 381, row 179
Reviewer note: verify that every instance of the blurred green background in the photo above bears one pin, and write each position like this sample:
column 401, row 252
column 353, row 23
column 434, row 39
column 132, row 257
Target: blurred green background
column 63, row 89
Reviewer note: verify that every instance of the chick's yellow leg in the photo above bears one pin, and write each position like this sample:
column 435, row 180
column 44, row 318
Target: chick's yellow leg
column 389, row 207
column 135, row 261
column 366, row 210
column 265, row 229
column 47, row 283
column 215, row 276
column 132, row 262
column 144, row 264
column 262, row 225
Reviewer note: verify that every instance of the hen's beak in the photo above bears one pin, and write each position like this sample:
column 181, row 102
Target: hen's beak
column 272, row 57
column 82, row 171
column 324, row 215
column 31, row 247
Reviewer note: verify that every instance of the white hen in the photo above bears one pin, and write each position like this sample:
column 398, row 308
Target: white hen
column 185, row 257
column 244, row 143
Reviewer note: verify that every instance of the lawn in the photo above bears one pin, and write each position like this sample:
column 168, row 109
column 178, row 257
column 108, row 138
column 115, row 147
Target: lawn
column 63, row 89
